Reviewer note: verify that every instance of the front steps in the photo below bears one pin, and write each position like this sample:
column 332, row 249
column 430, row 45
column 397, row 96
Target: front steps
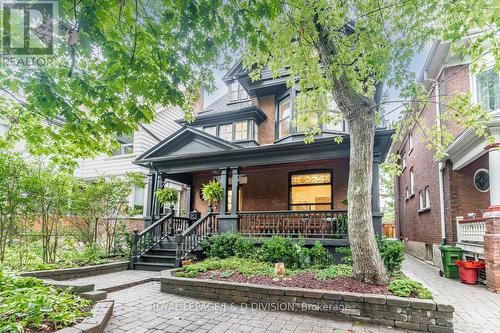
column 159, row 258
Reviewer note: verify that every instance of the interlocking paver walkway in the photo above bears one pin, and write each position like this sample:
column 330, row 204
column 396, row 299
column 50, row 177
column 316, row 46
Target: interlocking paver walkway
column 476, row 308
column 110, row 280
column 145, row 309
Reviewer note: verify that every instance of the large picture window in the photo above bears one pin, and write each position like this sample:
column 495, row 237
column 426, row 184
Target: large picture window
column 311, row 191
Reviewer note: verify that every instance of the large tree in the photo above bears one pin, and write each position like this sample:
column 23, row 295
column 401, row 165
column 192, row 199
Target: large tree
column 125, row 57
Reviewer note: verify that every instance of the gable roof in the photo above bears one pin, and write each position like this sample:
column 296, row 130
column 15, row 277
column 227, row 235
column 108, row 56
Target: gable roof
column 187, row 141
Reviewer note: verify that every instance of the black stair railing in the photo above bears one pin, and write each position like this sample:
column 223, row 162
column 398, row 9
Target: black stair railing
column 190, row 238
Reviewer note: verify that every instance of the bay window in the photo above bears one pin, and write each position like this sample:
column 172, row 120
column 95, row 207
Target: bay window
column 241, row 130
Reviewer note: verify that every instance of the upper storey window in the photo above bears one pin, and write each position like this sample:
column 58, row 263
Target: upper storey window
column 243, row 130
column 126, row 146
column 488, row 90
column 236, row 91
column 286, row 114
column 284, row 117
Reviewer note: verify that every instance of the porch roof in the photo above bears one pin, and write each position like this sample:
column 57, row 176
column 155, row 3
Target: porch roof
column 190, row 150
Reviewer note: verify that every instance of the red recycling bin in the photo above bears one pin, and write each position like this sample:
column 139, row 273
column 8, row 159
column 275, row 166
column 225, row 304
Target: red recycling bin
column 468, row 270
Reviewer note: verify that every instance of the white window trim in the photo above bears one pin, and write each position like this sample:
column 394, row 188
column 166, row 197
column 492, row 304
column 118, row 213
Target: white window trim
column 473, row 84
column 412, row 182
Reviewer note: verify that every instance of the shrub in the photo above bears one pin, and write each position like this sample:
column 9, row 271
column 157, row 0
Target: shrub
column 334, row 271
column 319, row 256
column 393, row 254
column 228, row 245
column 245, row 266
column 28, row 305
column 279, row 249
column 346, row 254
column 406, row 287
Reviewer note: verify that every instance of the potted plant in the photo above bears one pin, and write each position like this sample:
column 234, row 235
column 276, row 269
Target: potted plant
column 212, row 191
column 167, row 195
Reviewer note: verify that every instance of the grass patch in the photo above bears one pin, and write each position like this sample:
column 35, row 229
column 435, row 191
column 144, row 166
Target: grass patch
column 26, row 303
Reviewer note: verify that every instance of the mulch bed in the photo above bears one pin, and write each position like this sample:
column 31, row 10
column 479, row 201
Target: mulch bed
column 304, row 280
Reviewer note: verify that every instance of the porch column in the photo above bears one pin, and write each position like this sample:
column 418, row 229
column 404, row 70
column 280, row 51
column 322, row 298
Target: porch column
column 223, row 200
column 234, row 190
column 228, row 222
column 376, row 213
column 492, row 215
column 158, row 185
column 149, row 199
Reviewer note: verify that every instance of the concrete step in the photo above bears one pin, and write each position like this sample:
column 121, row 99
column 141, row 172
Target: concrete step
column 152, row 266
column 95, row 295
column 162, row 252
column 162, row 259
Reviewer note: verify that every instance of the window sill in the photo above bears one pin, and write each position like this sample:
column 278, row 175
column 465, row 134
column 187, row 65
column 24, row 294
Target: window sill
column 423, row 210
column 411, row 195
column 239, row 101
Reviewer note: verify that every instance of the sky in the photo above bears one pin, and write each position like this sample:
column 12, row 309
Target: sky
column 416, row 66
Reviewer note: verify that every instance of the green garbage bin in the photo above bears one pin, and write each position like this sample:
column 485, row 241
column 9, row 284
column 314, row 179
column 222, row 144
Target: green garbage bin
column 448, row 256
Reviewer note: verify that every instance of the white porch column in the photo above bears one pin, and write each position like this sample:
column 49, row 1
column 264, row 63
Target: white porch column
column 494, row 173
column 492, row 215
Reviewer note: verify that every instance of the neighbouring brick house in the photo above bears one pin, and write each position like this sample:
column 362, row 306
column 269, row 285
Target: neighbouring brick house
column 454, row 199
column 273, row 182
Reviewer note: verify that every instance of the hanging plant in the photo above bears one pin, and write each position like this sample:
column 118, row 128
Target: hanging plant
column 212, row 191
column 167, row 195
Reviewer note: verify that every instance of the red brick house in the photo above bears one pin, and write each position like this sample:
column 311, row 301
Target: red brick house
column 452, row 200
column 273, row 182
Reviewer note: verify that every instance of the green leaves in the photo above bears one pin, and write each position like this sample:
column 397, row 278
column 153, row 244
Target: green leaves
column 212, row 191
column 28, row 303
column 167, row 195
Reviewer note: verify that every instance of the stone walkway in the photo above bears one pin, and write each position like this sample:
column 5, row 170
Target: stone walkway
column 118, row 280
column 476, row 308
column 145, row 309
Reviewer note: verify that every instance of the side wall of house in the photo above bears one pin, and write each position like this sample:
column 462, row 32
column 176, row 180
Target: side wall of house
column 421, row 229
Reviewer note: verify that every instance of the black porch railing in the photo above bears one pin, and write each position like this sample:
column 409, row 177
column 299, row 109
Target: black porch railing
column 310, row 224
column 156, row 232
column 200, row 230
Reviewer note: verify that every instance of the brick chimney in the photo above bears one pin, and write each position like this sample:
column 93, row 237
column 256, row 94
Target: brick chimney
column 198, row 106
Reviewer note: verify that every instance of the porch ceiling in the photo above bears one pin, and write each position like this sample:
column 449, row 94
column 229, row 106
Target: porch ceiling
column 196, row 158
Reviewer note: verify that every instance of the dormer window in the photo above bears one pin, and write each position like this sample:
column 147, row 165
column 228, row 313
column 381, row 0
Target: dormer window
column 236, row 91
column 126, row 146
column 238, row 131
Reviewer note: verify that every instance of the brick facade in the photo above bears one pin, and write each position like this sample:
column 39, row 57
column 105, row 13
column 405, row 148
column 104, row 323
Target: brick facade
column 267, row 130
column 267, row 186
column 422, row 229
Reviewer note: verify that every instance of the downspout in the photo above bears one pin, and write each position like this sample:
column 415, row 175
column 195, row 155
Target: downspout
column 441, row 167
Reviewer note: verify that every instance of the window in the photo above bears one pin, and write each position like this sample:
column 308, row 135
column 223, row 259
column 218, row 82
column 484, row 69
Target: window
column 410, row 141
column 424, row 199
column 412, row 182
column 407, row 192
column 284, row 117
column 336, row 124
column 138, row 193
column 311, row 191
column 226, row 132
column 212, row 130
column 126, row 146
column 482, row 180
column 230, row 199
column 427, row 197
column 403, row 161
column 255, row 131
column 488, row 90
column 237, row 92
column 241, row 130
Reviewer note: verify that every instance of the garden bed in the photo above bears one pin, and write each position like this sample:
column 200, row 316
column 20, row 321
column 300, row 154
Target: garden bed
column 300, row 280
column 78, row 272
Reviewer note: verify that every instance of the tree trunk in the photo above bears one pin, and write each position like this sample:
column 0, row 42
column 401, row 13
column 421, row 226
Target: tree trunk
column 367, row 263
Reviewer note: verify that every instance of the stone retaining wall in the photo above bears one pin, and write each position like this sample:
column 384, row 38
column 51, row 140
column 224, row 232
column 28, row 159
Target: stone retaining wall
column 407, row 313
column 78, row 272
column 101, row 313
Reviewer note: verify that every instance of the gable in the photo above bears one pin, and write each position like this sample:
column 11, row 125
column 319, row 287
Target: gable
column 187, row 142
